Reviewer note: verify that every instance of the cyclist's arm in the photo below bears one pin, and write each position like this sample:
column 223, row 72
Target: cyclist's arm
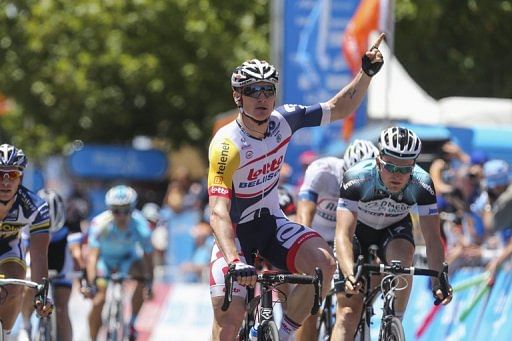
column 430, row 228
column 348, row 99
column 345, row 229
column 92, row 260
column 39, row 256
column 305, row 212
column 222, row 227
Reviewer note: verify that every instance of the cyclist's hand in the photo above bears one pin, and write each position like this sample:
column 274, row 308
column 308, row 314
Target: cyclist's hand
column 440, row 297
column 244, row 274
column 351, row 286
column 372, row 60
column 89, row 291
column 43, row 310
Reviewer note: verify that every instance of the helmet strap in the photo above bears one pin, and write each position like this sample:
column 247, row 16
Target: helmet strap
column 258, row 122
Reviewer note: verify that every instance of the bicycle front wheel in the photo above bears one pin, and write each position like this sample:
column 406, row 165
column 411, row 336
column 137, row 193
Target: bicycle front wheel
column 267, row 331
column 393, row 330
column 327, row 319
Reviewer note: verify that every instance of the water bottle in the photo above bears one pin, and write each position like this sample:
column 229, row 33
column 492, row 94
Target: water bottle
column 253, row 333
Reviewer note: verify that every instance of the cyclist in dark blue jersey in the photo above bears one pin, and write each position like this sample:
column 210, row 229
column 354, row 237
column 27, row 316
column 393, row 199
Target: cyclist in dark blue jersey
column 377, row 198
column 20, row 209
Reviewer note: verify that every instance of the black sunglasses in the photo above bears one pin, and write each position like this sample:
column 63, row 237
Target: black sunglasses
column 255, row 91
column 121, row 211
column 392, row 168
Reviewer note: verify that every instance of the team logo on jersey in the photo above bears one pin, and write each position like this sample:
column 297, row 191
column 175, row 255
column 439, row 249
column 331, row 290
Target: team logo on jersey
column 245, row 144
column 249, row 154
column 292, row 107
column 269, row 167
column 218, row 190
column 218, row 180
column 279, row 138
column 223, row 158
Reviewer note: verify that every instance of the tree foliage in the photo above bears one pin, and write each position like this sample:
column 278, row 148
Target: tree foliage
column 456, row 47
column 104, row 71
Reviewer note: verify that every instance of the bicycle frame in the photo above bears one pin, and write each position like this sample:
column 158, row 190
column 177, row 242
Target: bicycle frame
column 267, row 282
column 115, row 317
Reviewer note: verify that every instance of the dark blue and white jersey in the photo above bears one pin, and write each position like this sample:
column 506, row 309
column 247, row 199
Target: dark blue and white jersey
column 29, row 212
column 364, row 193
column 246, row 169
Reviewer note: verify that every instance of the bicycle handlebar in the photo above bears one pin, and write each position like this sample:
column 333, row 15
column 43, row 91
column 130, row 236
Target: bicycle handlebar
column 270, row 278
column 396, row 268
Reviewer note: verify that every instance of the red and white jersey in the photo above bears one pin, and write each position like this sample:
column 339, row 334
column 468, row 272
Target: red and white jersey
column 246, row 169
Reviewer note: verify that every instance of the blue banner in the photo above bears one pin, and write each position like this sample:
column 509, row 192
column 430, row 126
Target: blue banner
column 313, row 68
column 117, row 162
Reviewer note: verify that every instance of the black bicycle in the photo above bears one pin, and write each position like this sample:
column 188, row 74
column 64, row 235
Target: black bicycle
column 391, row 327
column 260, row 308
column 327, row 317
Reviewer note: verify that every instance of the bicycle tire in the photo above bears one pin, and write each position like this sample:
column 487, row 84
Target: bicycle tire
column 393, row 330
column 115, row 331
column 1, row 331
column 267, row 331
column 326, row 320
column 44, row 330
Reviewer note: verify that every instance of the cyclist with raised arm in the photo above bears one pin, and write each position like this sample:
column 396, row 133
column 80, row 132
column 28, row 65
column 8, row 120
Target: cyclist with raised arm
column 318, row 199
column 245, row 158
column 376, row 199
column 64, row 255
column 119, row 241
column 20, row 209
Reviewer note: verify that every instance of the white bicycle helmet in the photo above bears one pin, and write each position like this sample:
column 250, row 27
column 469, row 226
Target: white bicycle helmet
column 56, row 207
column 400, row 142
column 151, row 212
column 359, row 150
column 253, row 71
column 121, row 196
column 10, row 156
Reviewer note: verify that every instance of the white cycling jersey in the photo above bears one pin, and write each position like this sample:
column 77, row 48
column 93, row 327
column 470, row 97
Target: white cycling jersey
column 321, row 185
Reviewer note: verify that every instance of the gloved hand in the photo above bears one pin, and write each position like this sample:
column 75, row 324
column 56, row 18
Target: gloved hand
column 244, row 274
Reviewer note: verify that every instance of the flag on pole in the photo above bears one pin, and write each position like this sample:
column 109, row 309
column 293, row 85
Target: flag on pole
column 370, row 16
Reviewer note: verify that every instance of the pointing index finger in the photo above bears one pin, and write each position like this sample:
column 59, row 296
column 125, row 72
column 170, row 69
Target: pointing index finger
column 378, row 41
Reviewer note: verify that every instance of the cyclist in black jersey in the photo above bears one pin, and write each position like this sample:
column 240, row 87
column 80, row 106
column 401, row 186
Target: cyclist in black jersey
column 376, row 199
column 20, row 209
column 245, row 158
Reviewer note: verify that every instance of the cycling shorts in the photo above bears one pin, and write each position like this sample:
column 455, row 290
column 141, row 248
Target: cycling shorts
column 366, row 236
column 60, row 260
column 124, row 266
column 12, row 251
column 276, row 239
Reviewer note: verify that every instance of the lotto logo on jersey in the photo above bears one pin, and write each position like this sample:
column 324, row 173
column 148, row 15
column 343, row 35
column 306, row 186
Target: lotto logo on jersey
column 220, row 191
column 267, row 168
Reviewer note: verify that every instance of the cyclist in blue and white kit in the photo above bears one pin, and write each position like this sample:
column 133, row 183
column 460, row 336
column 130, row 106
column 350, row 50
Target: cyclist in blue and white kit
column 318, row 199
column 119, row 240
column 64, row 255
column 20, row 209
column 245, row 159
column 376, row 199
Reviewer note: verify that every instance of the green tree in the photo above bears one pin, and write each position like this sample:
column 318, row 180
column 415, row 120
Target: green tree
column 456, row 47
column 104, row 71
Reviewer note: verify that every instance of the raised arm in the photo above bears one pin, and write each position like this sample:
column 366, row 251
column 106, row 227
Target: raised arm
column 348, row 99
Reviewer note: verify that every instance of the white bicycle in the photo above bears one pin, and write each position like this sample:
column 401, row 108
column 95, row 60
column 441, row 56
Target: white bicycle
column 41, row 289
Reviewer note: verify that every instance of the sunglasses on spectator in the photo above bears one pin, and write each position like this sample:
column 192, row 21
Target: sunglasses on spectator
column 10, row 174
column 392, row 168
column 254, row 91
column 121, row 211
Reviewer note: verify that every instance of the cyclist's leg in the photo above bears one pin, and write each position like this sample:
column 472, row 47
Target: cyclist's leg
column 136, row 269
column 61, row 299
column 98, row 300
column 299, row 249
column 307, row 330
column 59, row 259
column 12, row 265
column 399, row 245
column 226, row 324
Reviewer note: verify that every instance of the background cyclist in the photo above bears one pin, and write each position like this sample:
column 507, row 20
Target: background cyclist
column 318, row 199
column 119, row 240
column 376, row 199
column 20, row 209
column 245, row 159
column 62, row 240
